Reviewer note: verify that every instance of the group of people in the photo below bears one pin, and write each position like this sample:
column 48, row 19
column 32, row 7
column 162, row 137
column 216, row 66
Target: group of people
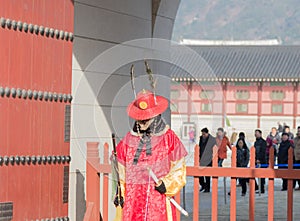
column 206, row 144
column 280, row 139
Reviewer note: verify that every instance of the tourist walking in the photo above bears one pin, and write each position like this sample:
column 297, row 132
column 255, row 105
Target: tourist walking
column 297, row 154
column 273, row 140
column 288, row 131
column 243, row 136
column 242, row 160
column 280, row 128
column 206, row 144
column 283, row 155
column 260, row 146
column 222, row 143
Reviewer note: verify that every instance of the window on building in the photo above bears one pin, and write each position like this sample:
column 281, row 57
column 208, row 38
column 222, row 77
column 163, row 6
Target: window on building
column 277, row 83
column 175, row 94
column 277, row 108
column 277, row 95
column 242, row 108
column 207, row 94
column 242, row 83
column 206, row 107
column 242, row 94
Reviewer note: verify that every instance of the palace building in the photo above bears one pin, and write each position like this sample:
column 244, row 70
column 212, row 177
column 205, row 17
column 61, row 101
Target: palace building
column 247, row 87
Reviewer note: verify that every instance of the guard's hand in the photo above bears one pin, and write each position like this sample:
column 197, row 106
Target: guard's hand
column 160, row 187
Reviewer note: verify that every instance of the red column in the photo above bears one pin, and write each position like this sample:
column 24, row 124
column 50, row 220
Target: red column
column 252, row 186
column 196, row 186
column 224, row 101
column 105, row 183
column 233, row 188
column 189, row 99
column 259, row 103
column 214, row 195
column 290, row 186
column 93, row 180
column 295, row 103
column 271, row 188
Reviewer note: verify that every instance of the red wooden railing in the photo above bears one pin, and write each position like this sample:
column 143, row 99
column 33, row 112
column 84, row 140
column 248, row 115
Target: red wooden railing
column 94, row 169
column 92, row 183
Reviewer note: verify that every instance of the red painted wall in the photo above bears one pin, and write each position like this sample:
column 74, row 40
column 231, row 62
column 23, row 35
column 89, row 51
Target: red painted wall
column 33, row 127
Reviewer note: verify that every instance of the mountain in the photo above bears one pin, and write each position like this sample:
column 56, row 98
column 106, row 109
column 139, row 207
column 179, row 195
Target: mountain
column 238, row 20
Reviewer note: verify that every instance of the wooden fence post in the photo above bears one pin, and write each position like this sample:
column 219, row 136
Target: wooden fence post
column 252, row 186
column 271, row 187
column 233, row 187
column 290, row 186
column 196, row 186
column 93, row 180
column 105, row 183
column 214, row 195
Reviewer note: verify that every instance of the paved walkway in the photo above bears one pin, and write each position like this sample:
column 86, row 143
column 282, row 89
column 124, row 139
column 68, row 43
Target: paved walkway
column 261, row 208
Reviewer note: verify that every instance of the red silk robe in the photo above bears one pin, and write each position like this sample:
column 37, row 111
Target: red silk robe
column 142, row 201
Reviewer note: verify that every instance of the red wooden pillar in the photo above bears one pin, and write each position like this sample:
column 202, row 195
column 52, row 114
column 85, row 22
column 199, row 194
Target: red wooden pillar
column 295, row 104
column 177, row 198
column 252, row 187
column 271, row 188
column 233, row 188
column 93, row 180
column 105, row 183
column 290, row 186
column 259, row 103
column 189, row 100
column 214, row 195
column 224, row 101
column 196, row 186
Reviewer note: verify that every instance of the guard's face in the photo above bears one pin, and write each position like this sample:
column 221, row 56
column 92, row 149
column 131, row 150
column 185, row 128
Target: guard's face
column 144, row 124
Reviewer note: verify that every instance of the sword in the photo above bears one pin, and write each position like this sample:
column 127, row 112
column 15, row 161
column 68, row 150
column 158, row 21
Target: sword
column 154, row 177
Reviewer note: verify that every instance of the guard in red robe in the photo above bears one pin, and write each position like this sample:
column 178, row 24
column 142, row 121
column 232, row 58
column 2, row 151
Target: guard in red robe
column 151, row 144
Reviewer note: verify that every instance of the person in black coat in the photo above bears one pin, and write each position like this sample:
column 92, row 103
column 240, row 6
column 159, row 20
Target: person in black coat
column 280, row 128
column 260, row 146
column 287, row 130
column 283, row 155
column 242, row 160
column 206, row 144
